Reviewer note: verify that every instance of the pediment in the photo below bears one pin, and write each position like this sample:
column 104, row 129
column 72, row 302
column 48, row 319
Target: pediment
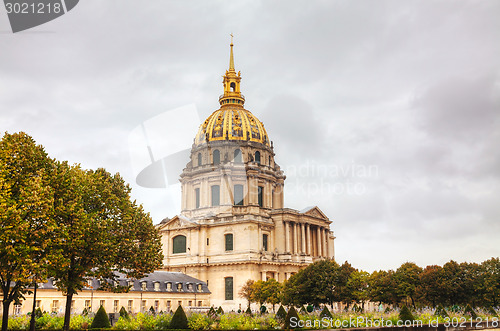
column 314, row 212
column 178, row 222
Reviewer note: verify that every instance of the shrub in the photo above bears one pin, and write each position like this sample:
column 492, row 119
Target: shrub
column 303, row 311
column 291, row 313
column 469, row 311
column 199, row 322
column 325, row 313
column 124, row 313
column 405, row 314
column 220, row 311
column 101, row 320
column 248, row 311
column 440, row 312
column 212, row 313
column 179, row 320
column 281, row 314
column 38, row 313
column 491, row 311
column 263, row 309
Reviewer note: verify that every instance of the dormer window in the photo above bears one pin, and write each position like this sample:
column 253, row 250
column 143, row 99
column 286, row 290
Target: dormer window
column 157, row 286
column 169, row 286
column 131, row 284
column 190, row 287
column 199, row 288
column 179, row 286
column 144, row 286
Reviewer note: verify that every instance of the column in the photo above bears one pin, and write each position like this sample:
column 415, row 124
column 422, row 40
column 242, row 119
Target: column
column 296, row 237
column 308, row 239
column 318, row 240
column 322, row 232
column 327, row 250
column 303, row 237
column 287, row 237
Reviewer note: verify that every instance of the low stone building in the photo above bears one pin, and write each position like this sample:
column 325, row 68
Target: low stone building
column 164, row 291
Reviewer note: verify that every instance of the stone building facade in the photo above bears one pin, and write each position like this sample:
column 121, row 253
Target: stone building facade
column 233, row 225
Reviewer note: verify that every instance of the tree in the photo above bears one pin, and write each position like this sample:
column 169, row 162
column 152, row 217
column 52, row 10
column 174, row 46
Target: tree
column 271, row 290
column 358, row 285
column 430, row 290
column 179, row 320
column 382, row 287
column 343, row 292
column 246, row 291
column 490, row 280
column 25, row 209
column 102, row 231
column 407, row 279
column 316, row 284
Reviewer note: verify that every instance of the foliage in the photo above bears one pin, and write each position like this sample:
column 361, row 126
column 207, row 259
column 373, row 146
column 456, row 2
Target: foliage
column 179, row 320
column 220, row 311
column 405, row 314
column 470, row 312
column 407, row 278
column 246, row 291
column 440, row 312
column 212, row 313
column 291, row 313
column 309, row 308
column 248, row 311
column 101, row 320
column 198, row 322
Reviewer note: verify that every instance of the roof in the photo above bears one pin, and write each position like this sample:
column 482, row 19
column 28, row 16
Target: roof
column 163, row 278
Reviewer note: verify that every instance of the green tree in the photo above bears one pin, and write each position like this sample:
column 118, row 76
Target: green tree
column 25, row 208
column 102, row 231
column 490, row 282
column 343, row 291
column 382, row 287
column 407, row 279
column 271, row 292
column 315, row 284
column 179, row 320
column 430, row 290
column 358, row 285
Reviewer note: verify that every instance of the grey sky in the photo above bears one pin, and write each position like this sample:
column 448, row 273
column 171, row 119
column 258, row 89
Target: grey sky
column 385, row 114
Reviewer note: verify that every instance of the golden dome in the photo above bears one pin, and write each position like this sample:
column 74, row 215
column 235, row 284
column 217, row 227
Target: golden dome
column 232, row 123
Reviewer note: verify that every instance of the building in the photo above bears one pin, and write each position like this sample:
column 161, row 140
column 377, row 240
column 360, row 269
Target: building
column 164, row 291
column 233, row 225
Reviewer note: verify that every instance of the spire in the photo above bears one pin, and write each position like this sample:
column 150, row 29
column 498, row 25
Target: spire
column 231, row 58
column 232, row 95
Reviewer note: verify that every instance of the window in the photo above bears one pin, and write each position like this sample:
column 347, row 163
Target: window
column 87, row 304
column 257, row 157
column 216, row 157
column 190, row 303
column 72, row 308
column 269, row 163
column 233, row 86
column 199, row 303
column 169, row 286
column 179, row 303
column 17, row 309
column 55, row 306
column 215, row 195
column 102, row 302
column 131, row 284
column 169, row 304
column 130, row 305
column 144, row 286
column 264, row 242
column 228, row 288
column 157, row 286
column 199, row 287
column 260, row 193
column 157, row 305
column 179, row 286
column 190, row 287
column 229, row 241
column 238, row 195
column 237, row 156
column 115, row 306
column 197, row 197
column 38, row 303
column 143, row 306
column 199, row 159
column 179, row 243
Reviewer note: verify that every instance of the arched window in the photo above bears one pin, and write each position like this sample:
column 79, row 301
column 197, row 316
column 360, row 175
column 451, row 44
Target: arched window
column 216, row 157
column 233, row 87
column 197, row 197
column 228, row 238
column 199, row 159
column 228, row 282
column 215, row 195
column 260, row 196
column 264, row 242
column 257, row 157
column 238, row 195
column 237, row 156
column 179, row 244
column 269, row 164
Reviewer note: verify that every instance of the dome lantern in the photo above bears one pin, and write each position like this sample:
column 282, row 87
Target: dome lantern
column 231, row 81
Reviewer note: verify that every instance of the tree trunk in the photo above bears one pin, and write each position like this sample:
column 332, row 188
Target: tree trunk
column 5, row 316
column 67, row 312
column 32, row 320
